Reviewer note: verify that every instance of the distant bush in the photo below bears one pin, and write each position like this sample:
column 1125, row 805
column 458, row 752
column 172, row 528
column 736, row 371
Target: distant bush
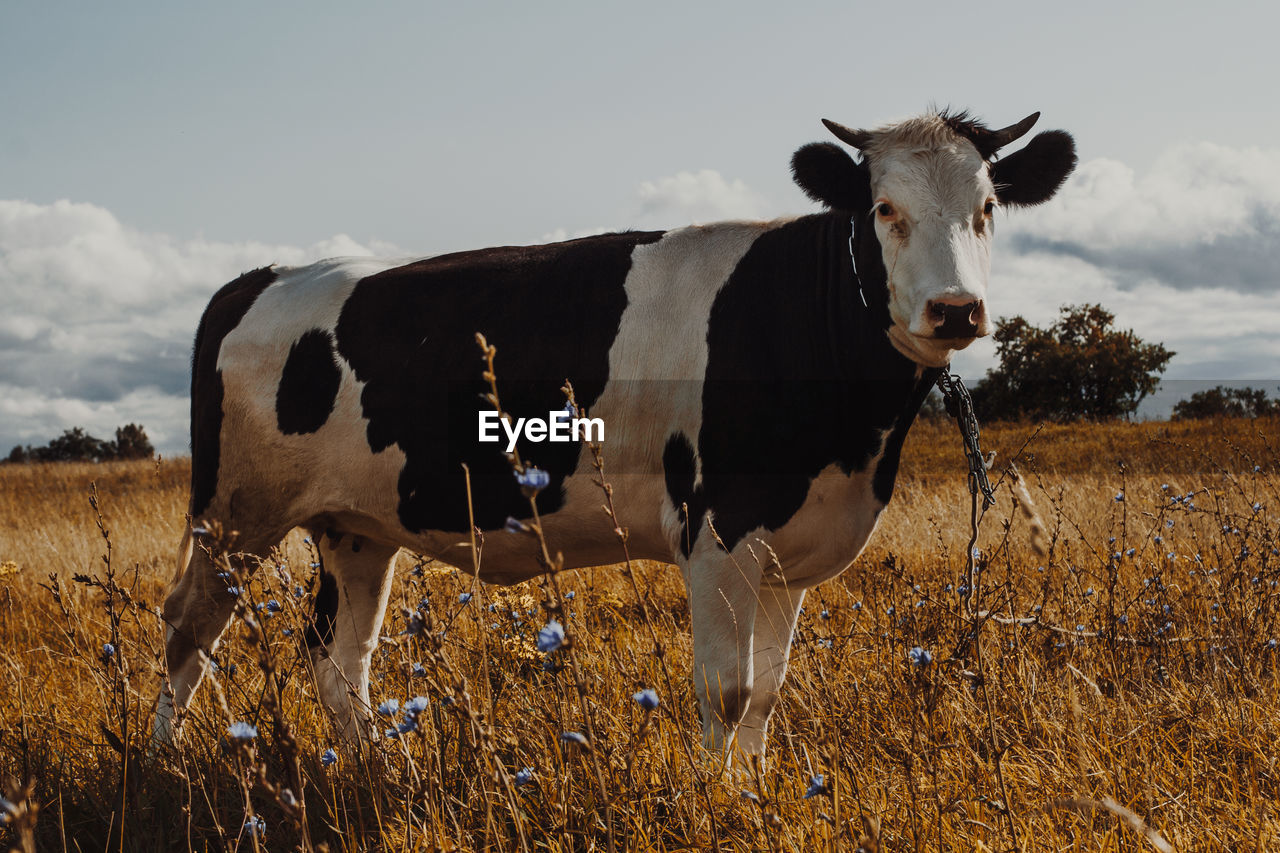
column 76, row 445
column 1078, row 368
column 1223, row 402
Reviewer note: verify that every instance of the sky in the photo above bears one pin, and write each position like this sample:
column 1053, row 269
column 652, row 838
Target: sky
column 150, row 152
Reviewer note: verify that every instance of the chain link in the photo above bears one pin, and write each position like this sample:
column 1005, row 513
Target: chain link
column 960, row 406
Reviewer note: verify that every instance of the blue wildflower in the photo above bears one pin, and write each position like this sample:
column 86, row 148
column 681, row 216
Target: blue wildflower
column 826, row 614
column 256, row 826
column 514, row 525
column 1119, row 497
column 419, row 671
column 242, row 731
column 389, row 707
column 273, row 606
column 523, row 776
column 108, row 652
column 415, row 706
column 920, row 656
column 570, row 595
column 1257, row 507
column 463, row 598
column 646, row 699
column 824, row 642
column 751, row 795
column 328, row 758
column 233, row 590
column 817, row 786
column 551, row 637
column 573, row 737
column 533, row 479
column 1088, row 592
column 857, row 605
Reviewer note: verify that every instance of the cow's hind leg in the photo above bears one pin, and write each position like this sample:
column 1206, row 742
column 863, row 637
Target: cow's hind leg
column 779, row 606
column 355, row 581
column 196, row 613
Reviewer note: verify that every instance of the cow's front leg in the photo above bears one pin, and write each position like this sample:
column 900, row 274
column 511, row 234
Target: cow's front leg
column 355, row 582
column 779, row 606
column 722, row 600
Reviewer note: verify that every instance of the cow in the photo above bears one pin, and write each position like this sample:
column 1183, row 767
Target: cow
column 756, row 381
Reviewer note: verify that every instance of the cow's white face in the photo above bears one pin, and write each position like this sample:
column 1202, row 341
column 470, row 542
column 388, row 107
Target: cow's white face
column 932, row 208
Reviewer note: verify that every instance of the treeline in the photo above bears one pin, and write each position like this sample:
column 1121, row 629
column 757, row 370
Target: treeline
column 1082, row 367
column 76, row 445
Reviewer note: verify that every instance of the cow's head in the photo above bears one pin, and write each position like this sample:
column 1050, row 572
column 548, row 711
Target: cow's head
column 930, row 187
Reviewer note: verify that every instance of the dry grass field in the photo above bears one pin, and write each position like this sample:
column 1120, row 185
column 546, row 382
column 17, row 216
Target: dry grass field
column 1117, row 692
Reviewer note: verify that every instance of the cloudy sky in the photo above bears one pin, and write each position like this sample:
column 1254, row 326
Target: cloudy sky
column 149, row 152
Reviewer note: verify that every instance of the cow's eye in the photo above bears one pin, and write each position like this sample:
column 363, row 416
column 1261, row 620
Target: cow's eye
column 885, row 210
column 989, row 208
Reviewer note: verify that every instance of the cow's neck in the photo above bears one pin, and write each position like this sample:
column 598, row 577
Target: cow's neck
column 881, row 389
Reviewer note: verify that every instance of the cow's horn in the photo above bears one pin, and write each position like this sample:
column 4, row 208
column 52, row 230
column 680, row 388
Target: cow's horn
column 997, row 139
column 857, row 138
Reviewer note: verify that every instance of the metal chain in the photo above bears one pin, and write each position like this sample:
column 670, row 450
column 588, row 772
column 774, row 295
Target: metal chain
column 960, row 406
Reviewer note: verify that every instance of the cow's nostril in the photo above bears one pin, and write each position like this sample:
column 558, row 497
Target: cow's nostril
column 955, row 321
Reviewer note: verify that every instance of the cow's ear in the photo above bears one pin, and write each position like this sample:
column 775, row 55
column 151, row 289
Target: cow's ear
column 828, row 175
column 1033, row 174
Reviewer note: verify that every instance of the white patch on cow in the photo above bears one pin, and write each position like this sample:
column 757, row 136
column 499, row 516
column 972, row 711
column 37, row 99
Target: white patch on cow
column 655, row 392
column 934, row 230
column 331, row 470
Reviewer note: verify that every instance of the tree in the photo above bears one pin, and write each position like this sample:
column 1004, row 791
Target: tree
column 132, row 443
column 74, row 445
column 1223, row 402
column 1080, row 367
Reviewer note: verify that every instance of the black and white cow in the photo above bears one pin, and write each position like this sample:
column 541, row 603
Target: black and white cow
column 753, row 377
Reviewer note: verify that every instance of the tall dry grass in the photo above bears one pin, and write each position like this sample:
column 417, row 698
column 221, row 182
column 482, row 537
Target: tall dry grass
column 1117, row 692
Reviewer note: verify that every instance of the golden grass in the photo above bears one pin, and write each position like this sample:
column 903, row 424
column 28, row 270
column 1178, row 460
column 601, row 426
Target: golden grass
column 1032, row 737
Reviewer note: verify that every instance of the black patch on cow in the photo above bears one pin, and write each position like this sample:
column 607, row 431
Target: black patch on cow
column 828, row 175
column 225, row 311
column 887, row 468
column 320, row 631
column 308, row 384
column 1034, row 173
column 800, row 376
column 679, row 469
column 552, row 311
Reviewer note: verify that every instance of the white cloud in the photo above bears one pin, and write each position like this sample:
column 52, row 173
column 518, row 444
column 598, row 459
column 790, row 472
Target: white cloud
column 702, row 196
column 1192, row 194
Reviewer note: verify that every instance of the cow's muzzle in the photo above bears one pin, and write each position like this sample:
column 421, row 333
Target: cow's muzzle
column 954, row 320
